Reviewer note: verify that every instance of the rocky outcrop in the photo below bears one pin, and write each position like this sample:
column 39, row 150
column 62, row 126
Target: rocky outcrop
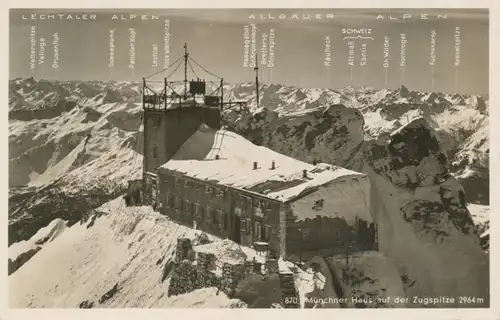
column 188, row 277
column 21, row 260
column 32, row 209
column 47, row 110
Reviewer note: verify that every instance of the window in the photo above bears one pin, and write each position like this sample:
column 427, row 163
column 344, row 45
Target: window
column 257, row 231
column 215, row 217
column 197, row 208
column 170, row 200
column 267, row 233
column 222, row 218
column 177, row 202
column 209, row 213
column 246, row 225
column 155, row 151
column 209, row 190
column 258, row 212
column 187, row 206
column 305, row 234
column 237, row 212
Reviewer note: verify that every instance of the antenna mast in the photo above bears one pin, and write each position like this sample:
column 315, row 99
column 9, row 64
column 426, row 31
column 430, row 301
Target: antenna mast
column 186, row 56
column 257, row 77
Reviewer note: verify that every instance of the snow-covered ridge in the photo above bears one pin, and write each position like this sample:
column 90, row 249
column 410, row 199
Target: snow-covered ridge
column 126, row 248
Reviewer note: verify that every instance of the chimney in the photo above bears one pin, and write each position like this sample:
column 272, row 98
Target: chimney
column 255, row 165
column 304, row 173
column 273, row 165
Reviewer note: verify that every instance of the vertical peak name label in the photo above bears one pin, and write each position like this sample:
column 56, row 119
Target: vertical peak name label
column 33, row 41
column 264, row 49
column 327, row 62
column 253, row 46
column 41, row 52
column 55, row 52
column 267, row 54
column 42, row 48
column 432, row 48
column 457, row 42
column 272, row 45
column 166, row 43
column 432, row 55
column 267, row 48
column 328, row 52
column 249, row 46
column 154, row 57
column 402, row 55
column 246, row 46
column 111, row 43
column 132, row 41
column 386, row 60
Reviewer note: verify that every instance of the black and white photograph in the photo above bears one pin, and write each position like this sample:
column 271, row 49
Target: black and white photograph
column 293, row 158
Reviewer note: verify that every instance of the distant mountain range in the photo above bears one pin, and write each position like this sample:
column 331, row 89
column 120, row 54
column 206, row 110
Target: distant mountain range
column 462, row 120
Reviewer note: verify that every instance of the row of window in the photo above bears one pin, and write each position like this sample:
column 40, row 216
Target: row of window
column 244, row 202
column 259, row 232
column 216, row 216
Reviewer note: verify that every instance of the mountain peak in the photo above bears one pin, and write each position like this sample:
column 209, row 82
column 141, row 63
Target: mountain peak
column 403, row 91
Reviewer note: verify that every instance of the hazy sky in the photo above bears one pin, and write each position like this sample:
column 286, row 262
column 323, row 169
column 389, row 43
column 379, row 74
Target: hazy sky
column 81, row 48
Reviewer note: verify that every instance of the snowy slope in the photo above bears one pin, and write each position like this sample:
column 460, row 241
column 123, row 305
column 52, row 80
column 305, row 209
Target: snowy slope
column 23, row 251
column 127, row 247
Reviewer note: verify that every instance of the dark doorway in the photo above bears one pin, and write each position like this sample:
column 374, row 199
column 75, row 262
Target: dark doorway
column 237, row 230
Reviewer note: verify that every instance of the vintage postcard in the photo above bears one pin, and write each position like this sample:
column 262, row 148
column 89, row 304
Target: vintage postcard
column 323, row 158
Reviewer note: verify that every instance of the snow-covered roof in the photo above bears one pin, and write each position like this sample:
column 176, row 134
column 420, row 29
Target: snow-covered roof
column 235, row 166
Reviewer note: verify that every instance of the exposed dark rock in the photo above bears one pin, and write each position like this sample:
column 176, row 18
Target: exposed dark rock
column 86, row 304
column 108, row 295
column 37, row 208
column 24, row 257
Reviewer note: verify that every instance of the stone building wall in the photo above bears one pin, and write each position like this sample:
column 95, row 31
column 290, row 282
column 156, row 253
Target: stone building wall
column 204, row 271
column 225, row 212
column 166, row 131
column 190, row 275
